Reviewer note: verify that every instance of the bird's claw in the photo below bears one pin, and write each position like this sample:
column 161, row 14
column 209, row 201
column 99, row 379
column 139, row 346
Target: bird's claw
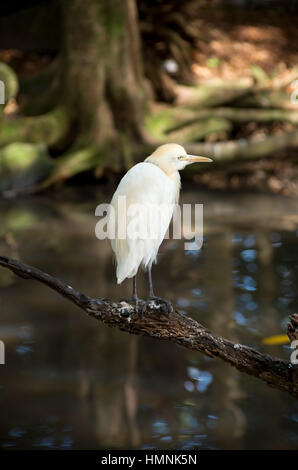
column 152, row 302
column 135, row 301
column 166, row 306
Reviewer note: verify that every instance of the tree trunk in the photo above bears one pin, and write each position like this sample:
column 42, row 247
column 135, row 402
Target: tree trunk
column 102, row 75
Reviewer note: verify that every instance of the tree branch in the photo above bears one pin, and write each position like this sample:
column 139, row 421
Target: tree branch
column 174, row 327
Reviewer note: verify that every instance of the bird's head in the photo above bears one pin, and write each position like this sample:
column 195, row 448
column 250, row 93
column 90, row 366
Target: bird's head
column 173, row 157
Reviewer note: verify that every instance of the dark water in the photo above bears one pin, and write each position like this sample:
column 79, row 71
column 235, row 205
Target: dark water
column 72, row 383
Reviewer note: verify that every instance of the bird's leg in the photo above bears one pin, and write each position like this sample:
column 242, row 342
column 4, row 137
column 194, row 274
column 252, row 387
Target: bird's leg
column 134, row 289
column 152, row 296
column 134, row 299
column 151, row 293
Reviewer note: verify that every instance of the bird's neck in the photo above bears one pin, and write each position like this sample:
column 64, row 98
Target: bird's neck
column 175, row 177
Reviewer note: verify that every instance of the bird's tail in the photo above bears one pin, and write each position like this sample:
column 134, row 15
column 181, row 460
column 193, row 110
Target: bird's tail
column 126, row 268
column 128, row 265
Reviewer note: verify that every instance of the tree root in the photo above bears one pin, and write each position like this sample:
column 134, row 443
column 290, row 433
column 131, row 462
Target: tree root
column 199, row 130
column 173, row 327
column 10, row 81
column 241, row 92
column 266, row 99
column 164, row 119
column 50, row 128
column 72, row 163
column 240, row 115
column 245, row 149
column 212, row 94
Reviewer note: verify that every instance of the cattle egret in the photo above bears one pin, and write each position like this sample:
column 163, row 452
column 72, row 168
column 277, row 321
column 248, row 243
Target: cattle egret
column 149, row 187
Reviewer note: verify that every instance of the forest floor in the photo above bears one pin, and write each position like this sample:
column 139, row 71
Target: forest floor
column 230, row 44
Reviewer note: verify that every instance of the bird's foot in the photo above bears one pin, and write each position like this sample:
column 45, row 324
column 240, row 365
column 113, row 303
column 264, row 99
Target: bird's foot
column 158, row 302
column 136, row 301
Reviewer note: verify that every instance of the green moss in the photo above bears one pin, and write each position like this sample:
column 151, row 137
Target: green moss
column 183, row 125
column 10, row 80
column 213, row 62
column 126, row 149
column 158, row 123
column 49, row 128
column 75, row 162
column 199, row 130
column 111, row 18
column 19, row 219
column 23, row 164
column 259, row 74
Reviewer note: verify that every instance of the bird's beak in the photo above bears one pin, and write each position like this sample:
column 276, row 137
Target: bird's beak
column 197, row 158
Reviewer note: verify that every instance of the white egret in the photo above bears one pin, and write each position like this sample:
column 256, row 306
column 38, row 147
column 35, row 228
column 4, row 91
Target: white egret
column 147, row 186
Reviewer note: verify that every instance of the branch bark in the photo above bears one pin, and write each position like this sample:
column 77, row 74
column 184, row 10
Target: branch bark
column 174, row 327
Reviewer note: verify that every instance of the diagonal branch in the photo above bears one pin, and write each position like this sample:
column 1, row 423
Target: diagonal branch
column 174, row 327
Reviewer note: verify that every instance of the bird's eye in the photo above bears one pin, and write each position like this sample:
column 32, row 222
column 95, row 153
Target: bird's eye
column 181, row 157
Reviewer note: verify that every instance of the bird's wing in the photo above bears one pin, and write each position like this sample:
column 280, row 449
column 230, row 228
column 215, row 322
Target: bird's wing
column 150, row 198
column 155, row 184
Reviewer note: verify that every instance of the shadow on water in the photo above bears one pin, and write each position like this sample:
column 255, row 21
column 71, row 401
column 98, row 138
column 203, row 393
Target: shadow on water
column 70, row 382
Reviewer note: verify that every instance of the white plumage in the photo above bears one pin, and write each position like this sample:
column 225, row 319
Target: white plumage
column 146, row 185
column 150, row 191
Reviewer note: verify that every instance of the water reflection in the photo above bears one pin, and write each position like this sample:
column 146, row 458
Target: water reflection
column 72, row 383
